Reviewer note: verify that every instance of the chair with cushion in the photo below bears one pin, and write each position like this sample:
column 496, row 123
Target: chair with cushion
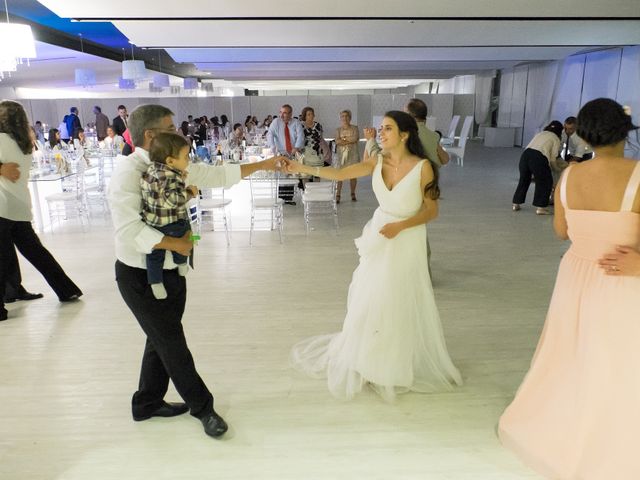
column 211, row 202
column 459, row 148
column 449, row 138
column 72, row 201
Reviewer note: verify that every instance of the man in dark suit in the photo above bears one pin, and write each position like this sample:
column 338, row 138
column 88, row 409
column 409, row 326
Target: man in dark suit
column 120, row 123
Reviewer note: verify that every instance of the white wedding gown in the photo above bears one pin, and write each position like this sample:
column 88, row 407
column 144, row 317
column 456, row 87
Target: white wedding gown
column 391, row 337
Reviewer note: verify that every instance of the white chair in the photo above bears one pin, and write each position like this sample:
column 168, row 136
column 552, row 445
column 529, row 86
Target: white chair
column 95, row 186
column 210, row 202
column 319, row 198
column 72, row 201
column 458, row 149
column 264, row 198
column 449, row 138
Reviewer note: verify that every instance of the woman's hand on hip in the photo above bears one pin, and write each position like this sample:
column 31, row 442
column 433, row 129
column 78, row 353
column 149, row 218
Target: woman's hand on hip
column 624, row 261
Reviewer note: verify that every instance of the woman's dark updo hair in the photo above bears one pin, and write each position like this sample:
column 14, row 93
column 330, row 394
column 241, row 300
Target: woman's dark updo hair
column 407, row 124
column 603, row 122
column 555, row 127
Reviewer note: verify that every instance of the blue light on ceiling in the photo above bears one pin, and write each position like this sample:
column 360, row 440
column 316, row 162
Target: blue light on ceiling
column 103, row 33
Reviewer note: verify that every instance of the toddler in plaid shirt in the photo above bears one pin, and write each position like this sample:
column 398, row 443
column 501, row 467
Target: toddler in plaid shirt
column 164, row 201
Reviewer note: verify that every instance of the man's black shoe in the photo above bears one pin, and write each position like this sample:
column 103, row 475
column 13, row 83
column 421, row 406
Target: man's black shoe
column 165, row 410
column 214, row 425
column 24, row 296
column 71, row 298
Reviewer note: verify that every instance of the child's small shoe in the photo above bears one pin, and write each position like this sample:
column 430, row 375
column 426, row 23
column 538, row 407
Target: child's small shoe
column 183, row 269
column 159, row 291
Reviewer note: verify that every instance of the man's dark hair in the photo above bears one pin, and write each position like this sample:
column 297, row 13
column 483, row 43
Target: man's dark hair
column 417, row 109
column 570, row 120
column 145, row 117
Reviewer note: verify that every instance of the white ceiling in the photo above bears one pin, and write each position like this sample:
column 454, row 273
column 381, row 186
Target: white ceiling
column 341, row 8
column 55, row 66
column 52, row 72
column 260, row 41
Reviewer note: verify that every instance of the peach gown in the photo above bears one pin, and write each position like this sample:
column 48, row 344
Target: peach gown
column 577, row 413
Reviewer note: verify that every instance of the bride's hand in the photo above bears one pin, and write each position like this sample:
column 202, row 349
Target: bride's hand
column 294, row 167
column 390, row 230
column 369, row 133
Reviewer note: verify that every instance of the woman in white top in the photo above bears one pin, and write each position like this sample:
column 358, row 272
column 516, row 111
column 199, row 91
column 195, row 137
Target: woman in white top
column 112, row 140
column 15, row 208
column 535, row 160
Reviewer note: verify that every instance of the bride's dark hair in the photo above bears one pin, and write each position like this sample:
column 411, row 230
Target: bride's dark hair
column 407, row 124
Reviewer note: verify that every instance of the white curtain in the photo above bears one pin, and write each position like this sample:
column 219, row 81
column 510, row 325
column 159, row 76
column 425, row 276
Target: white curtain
column 629, row 94
column 484, row 82
column 601, row 75
column 629, row 81
column 506, row 94
column 542, row 82
column 566, row 96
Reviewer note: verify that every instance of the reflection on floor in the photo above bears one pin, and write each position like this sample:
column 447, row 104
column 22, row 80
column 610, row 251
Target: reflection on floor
column 69, row 369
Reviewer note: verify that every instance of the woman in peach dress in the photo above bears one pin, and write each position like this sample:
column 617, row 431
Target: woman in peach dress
column 577, row 413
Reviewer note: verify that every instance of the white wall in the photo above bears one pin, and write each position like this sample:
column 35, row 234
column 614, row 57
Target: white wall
column 327, row 107
column 531, row 96
column 461, row 84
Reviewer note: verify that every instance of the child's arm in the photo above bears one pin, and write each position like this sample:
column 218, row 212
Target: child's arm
column 174, row 193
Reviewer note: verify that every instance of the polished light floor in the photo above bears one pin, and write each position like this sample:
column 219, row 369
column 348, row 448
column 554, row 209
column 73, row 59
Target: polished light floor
column 68, row 370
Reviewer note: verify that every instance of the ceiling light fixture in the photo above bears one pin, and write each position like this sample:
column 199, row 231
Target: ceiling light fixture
column 133, row 69
column 85, row 77
column 17, row 45
column 190, row 83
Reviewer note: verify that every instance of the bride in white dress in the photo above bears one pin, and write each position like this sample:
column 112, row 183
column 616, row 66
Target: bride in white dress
column 392, row 336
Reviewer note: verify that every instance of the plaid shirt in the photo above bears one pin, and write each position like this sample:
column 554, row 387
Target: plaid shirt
column 164, row 195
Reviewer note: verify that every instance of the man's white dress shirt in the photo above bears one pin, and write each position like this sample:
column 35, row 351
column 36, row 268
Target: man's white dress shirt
column 133, row 238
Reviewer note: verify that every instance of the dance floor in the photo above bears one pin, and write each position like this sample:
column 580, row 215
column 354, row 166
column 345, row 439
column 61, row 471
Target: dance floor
column 68, row 370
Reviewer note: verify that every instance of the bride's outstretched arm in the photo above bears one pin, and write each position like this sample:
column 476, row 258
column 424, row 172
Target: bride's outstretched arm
column 361, row 169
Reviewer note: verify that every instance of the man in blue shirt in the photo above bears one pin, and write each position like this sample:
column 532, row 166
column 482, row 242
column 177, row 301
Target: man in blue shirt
column 286, row 134
column 286, row 137
column 73, row 123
